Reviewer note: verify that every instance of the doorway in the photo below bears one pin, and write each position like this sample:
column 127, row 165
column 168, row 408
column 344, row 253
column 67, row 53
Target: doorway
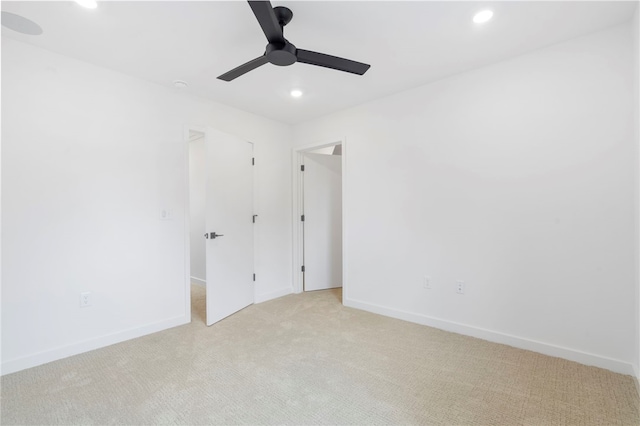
column 197, row 225
column 320, row 206
column 221, row 224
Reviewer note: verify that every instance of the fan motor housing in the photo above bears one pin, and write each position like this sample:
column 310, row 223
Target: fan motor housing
column 281, row 54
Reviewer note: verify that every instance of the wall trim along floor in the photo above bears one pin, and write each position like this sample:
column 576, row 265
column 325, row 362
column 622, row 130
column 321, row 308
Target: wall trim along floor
column 55, row 354
column 198, row 281
column 272, row 295
column 614, row 365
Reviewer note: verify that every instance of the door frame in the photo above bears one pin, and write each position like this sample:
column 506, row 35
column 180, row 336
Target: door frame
column 208, row 131
column 297, row 211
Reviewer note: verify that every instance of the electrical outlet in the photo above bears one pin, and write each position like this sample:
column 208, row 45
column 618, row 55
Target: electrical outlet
column 460, row 287
column 426, row 283
column 85, row 299
column 165, row 214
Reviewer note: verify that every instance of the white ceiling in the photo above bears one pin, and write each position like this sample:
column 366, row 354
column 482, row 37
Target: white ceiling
column 407, row 44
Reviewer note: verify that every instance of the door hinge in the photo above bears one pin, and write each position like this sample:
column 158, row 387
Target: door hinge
column 302, row 218
column 254, row 218
column 253, row 161
column 302, row 268
column 254, row 277
column 302, row 168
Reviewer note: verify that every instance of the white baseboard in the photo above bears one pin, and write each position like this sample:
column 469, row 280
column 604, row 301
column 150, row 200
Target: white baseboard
column 198, row 281
column 45, row 357
column 614, row 365
column 273, row 295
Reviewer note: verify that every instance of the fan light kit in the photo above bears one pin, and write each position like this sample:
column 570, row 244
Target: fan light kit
column 296, row 93
column 89, row 4
column 180, row 84
column 280, row 51
column 483, row 16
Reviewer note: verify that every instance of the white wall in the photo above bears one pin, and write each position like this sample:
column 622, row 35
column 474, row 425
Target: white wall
column 197, row 199
column 90, row 157
column 517, row 178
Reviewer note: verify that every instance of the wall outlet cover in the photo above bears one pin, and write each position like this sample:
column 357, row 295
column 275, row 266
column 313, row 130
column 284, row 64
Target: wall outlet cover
column 426, row 283
column 85, row 299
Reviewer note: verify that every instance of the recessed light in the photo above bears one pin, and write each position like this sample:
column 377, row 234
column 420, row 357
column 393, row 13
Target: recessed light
column 180, row 84
column 296, row 93
column 482, row 16
column 20, row 24
column 89, row 4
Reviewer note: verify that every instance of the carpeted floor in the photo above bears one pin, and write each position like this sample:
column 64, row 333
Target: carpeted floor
column 306, row 359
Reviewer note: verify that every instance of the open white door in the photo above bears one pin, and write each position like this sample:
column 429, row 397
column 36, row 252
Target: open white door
column 322, row 221
column 229, row 217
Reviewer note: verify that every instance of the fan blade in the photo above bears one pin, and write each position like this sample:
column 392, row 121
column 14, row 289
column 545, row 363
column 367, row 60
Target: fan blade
column 328, row 61
column 244, row 68
column 267, row 19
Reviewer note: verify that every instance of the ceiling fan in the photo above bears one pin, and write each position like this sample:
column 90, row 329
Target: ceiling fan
column 280, row 52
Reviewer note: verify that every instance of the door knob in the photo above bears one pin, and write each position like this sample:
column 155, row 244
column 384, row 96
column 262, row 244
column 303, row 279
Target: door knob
column 212, row 235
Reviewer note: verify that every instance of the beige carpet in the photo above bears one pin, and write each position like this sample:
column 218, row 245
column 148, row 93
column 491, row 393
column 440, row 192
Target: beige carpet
column 306, row 359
